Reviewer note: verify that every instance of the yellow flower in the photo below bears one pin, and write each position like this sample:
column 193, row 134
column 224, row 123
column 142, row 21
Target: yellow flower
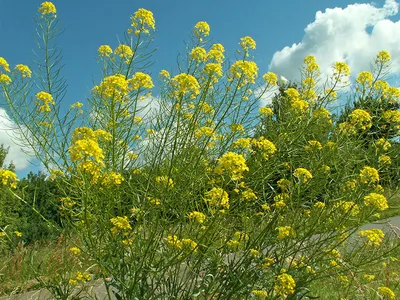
column 123, row 51
column 202, row 29
column 216, row 53
column 75, row 250
column 254, row 252
column 232, row 163
column 214, row 70
column 143, row 20
column 311, row 64
column 198, row 54
column 140, row 80
column 4, row 64
column 47, row 8
column 260, row 294
column 217, row 197
column 383, row 144
column 392, row 116
column 114, row 86
column 309, row 82
column 247, row 71
column 365, row 79
column 284, row 232
column 266, row 147
column 383, row 57
column 18, row 234
column 185, row 84
column 173, row 241
column 268, row 261
column 341, row 69
column 247, row 43
column 4, row 78
column 165, row 180
column 374, row 237
column 385, row 291
column 303, row 174
column 360, row 119
column 313, row 145
column 112, row 178
column 284, row 285
column 384, row 160
column 8, row 177
column 249, row 195
column 104, row 50
column 198, row 216
column 76, row 105
column 319, row 204
column 270, row 78
column 165, row 74
column 266, row 111
column 120, row 224
column 189, row 244
column 24, row 70
column 347, row 207
column 378, row 201
column 369, row 277
column 369, row 175
column 44, row 100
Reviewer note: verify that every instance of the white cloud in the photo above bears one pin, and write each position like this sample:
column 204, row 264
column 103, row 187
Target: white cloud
column 15, row 154
column 354, row 34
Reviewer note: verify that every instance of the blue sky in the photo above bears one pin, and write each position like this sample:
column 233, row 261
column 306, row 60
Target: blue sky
column 273, row 24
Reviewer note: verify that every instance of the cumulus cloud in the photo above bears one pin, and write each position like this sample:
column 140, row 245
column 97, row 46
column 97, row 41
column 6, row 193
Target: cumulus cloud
column 15, row 154
column 354, row 34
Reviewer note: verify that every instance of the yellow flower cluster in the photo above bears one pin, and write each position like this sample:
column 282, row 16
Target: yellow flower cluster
column 266, row 111
column 247, row 43
column 185, row 84
column 369, row 175
column 80, row 277
column 124, row 51
column 114, row 86
column 140, row 80
column 245, row 71
column 248, row 194
column 214, row 70
column 347, row 207
column 44, row 99
column 232, row 163
column 302, row 174
column 393, row 117
column 270, row 78
column 165, row 180
column 322, row 114
column 383, row 144
column 360, row 119
column 204, row 131
column 266, row 147
column 341, row 69
column 8, row 177
column 199, row 54
column 24, row 70
column 4, row 64
column 384, row 160
column 121, row 224
column 284, row 285
column 198, row 216
column 112, row 178
column 47, row 8
column 383, row 57
column 365, row 79
column 242, row 143
column 260, row 294
column 311, row 64
column 173, row 241
column 313, row 145
column 4, row 78
column 284, row 232
column 104, row 50
column 201, row 29
column 374, row 237
column 296, row 102
column 386, row 292
column 216, row 53
column 75, row 250
column 309, row 82
column 217, row 197
column 143, row 21
column 378, row 201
